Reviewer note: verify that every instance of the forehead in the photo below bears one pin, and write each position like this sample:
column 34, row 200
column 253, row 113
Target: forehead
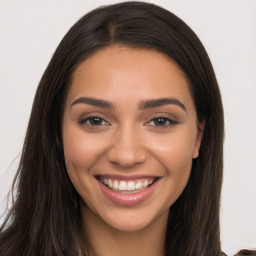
column 117, row 71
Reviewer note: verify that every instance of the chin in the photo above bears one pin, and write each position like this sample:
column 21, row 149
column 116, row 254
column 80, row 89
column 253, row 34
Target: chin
column 125, row 220
column 130, row 226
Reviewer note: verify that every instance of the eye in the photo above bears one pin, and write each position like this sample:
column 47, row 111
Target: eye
column 93, row 121
column 162, row 122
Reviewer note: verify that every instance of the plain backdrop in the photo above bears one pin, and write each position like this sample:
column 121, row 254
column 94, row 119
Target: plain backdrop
column 31, row 30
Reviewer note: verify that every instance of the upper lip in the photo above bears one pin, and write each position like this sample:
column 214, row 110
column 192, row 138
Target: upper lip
column 126, row 177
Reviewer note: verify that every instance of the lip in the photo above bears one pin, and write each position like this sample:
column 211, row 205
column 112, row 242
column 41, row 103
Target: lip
column 125, row 177
column 127, row 199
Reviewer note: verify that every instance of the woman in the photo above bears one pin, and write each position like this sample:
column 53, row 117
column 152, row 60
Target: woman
column 124, row 148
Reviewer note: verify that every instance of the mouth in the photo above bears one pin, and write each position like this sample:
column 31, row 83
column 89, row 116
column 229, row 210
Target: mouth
column 127, row 190
column 130, row 186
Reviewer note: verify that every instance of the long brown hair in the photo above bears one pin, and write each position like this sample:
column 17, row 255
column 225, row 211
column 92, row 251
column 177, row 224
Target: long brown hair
column 45, row 218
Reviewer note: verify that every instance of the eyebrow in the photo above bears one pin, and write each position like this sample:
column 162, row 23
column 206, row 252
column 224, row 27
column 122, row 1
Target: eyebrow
column 145, row 104
column 161, row 102
column 94, row 102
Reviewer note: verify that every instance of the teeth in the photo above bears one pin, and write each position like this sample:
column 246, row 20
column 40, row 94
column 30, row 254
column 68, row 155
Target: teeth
column 127, row 186
column 122, row 185
column 110, row 183
column 145, row 184
column 115, row 185
column 131, row 185
column 139, row 185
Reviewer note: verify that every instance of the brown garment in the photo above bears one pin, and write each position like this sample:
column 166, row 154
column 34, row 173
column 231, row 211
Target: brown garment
column 243, row 253
column 246, row 252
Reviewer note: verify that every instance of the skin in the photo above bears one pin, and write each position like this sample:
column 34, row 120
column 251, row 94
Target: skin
column 127, row 141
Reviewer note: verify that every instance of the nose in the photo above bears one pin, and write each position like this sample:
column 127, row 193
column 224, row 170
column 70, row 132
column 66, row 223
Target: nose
column 127, row 148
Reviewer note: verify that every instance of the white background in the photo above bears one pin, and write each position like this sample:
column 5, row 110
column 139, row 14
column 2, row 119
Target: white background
column 31, row 30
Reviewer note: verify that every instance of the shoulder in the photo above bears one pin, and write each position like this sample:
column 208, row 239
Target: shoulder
column 246, row 252
column 243, row 253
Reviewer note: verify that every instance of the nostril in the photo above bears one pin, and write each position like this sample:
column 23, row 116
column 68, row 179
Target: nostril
column 126, row 157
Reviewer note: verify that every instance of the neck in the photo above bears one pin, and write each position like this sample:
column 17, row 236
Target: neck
column 108, row 241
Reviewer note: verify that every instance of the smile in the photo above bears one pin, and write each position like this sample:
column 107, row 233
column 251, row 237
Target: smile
column 127, row 191
column 127, row 187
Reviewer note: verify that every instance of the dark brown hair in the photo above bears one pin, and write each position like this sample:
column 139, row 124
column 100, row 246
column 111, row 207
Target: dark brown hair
column 45, row 218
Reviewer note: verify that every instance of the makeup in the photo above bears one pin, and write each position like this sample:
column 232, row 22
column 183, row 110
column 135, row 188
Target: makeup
column 129, row 137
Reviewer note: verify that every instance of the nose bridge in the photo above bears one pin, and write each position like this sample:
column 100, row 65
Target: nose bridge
column 127, row 147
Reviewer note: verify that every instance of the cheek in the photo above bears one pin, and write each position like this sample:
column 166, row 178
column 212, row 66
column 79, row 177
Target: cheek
column 175, row 152
column 177, row 160
column 176, row 149
column 80, row 151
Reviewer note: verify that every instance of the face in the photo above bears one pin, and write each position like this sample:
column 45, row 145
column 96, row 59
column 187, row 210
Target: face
column 130, row 133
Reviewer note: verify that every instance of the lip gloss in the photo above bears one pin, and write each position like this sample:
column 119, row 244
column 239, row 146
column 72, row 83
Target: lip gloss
column 127, row 199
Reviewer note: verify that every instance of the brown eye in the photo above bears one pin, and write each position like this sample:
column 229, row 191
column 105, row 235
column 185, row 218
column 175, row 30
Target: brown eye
column 162, row 122
column 94, row 121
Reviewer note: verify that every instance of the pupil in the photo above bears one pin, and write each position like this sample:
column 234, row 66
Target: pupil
column 160, row 121
column 96, row 121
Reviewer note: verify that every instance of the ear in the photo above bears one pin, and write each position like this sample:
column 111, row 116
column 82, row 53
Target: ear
column 200, row 132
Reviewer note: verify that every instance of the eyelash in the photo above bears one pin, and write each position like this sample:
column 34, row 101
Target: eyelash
column 88, row 120
column 164, row 122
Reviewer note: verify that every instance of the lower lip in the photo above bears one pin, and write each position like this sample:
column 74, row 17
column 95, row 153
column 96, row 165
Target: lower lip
column 127, row 199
